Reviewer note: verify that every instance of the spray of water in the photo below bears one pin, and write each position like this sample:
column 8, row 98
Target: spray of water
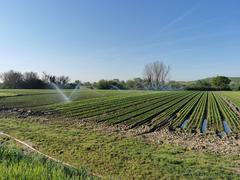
column 72, row 95
column 75, row 90
column 115, row 87
column 65, row 98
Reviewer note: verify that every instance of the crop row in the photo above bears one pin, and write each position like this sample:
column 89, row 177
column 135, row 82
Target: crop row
column 99, row 104
column 193, row 111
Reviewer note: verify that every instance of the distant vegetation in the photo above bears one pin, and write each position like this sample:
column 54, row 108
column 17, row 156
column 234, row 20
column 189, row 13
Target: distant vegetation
column 31, row 80
column 218, row 83
column 155, row 77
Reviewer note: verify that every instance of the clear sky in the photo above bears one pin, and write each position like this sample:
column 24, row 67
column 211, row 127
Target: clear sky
column 95, row 39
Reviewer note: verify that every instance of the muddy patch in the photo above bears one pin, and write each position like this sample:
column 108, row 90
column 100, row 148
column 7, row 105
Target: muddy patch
column 24, row 113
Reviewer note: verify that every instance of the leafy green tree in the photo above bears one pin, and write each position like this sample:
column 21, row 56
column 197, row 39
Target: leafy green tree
column 131, row 84
column 112, row 84
column 203, row 84
column 221, row 83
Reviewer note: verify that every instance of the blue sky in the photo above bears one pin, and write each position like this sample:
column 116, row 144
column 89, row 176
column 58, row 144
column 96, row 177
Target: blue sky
column 96, row 39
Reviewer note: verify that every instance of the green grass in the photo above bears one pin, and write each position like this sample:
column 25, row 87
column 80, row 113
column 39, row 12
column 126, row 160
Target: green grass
column 234, row 96
column 114, row 156
column 7, row 94
column 18, row 164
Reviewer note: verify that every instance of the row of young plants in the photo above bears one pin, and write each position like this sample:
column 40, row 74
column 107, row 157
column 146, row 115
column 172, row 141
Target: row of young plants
column 79, row 109
column 229, row 116
column 141, row 112
column 75, row 105
column 209, row 107
column 184, row 114
column 197, row 117
column 192, row 111
column 113, row 106
column 215, row 119
column 148, row 117
column 170, row 113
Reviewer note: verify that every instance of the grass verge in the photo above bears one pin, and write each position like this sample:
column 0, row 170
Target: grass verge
column 15, row 163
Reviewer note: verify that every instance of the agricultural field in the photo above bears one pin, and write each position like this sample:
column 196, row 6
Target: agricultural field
column 190, row 111
column 95, row 132
column 203, row 112
column 41, row 98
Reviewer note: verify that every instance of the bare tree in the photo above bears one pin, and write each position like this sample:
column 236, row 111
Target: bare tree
column 45, row 77
column 156, row 74
column 63, row 80
column 148, row 75
column 11, row 79
column 165, row 73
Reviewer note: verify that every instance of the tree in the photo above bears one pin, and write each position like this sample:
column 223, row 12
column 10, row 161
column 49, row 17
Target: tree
column 11, row 79
column 174, row 85
column 103, row 84
column 131, row 84
column 46, row 77
column 88, row 85
column 139, row 83
column 203, row 84
column 156, row 74
column 148, row 75
column 30, row 76
column 31, row 81
column 112, row 84
column 62, row 80
column 221, row 83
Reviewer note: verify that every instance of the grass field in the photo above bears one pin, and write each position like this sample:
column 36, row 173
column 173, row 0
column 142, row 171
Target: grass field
column 110, row 155
column 15, row 163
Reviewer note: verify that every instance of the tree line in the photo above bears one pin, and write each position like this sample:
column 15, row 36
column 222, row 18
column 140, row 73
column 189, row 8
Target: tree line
column 31, row 80
column 219, row 83
column 155, row 77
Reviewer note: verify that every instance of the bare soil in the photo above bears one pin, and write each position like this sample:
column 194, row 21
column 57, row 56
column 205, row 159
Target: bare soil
column 210, row 142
